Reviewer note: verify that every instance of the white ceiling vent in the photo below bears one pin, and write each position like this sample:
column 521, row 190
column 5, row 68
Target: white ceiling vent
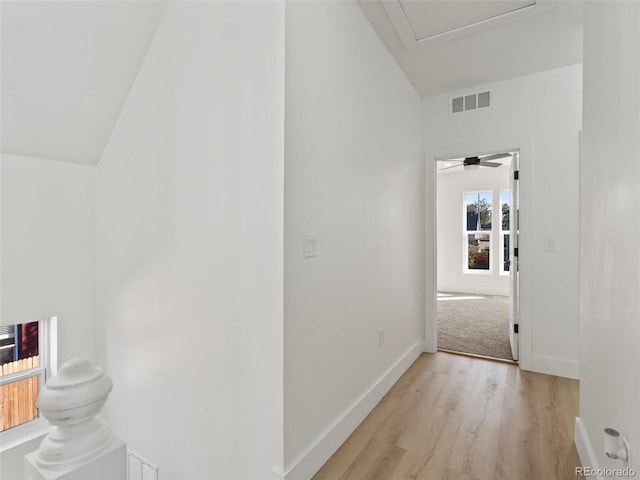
column 471, row 101
column 140, row 469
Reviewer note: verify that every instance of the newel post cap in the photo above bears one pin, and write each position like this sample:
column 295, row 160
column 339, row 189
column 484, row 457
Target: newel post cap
column 79, row 389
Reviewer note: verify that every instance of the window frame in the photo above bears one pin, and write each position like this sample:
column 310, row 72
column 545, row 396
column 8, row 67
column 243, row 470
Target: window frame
column 48, row 353
column 466, row 233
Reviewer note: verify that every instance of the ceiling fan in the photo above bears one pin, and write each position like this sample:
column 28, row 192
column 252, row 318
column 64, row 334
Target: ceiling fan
column 480, row 161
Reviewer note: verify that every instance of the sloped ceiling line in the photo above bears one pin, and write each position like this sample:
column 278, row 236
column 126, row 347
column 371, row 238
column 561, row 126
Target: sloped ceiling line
column 67, row 69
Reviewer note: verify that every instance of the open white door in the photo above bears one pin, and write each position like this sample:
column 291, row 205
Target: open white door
column 514, row 270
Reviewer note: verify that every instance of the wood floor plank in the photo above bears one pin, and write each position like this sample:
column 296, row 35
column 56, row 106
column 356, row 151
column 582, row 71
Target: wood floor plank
column 432, row 435
column 375, row 462
column 416, row 370
column 414, row 404
column 475, row 451
column 556, row 426
column 453, row 475
column 518, row 454
column 459, row 418
column 351, row 448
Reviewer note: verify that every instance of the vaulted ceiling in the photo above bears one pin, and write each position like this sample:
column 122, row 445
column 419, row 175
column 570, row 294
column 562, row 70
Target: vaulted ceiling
column 450, row 45
column 67, row 66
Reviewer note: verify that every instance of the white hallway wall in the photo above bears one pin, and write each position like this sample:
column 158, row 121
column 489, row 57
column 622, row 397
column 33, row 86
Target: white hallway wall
column 610, row 254
column 541, row 114
column 353, row 176
column 450, row 190
column 47, row 259
column 163, row 253
column 190, row 245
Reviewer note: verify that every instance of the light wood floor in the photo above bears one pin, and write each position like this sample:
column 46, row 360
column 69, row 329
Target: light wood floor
column 459, row 418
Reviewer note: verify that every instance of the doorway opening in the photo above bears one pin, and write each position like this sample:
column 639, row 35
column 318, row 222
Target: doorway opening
column 477, row 219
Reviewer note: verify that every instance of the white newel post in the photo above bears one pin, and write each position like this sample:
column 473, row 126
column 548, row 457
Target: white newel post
column 79, row 445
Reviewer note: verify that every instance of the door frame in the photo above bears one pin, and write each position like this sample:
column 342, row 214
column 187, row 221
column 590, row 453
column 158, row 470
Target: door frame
column 430, row 159
column 514, row 261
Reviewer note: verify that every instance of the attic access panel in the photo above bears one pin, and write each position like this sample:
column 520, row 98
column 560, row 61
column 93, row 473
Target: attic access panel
column 428, row 19
column 427, row 23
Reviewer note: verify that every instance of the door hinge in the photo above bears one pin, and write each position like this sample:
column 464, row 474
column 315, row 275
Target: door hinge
column 515, row 251
column 515, row 328
column 516, row 175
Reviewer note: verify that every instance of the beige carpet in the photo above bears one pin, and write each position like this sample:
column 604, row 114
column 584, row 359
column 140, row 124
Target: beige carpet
column 478, row 324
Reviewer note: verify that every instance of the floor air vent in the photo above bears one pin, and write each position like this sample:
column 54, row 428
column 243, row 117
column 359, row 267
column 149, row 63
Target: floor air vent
column 472, row 101
column 140, row 469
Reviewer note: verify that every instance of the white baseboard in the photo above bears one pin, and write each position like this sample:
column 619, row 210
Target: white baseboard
column 430, row 345
column 310, row 461
column 275, row 474
column 559, row 367
column 583, row 445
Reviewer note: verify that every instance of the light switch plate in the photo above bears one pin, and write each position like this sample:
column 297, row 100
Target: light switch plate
column 310, row 245
column 549, row 244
